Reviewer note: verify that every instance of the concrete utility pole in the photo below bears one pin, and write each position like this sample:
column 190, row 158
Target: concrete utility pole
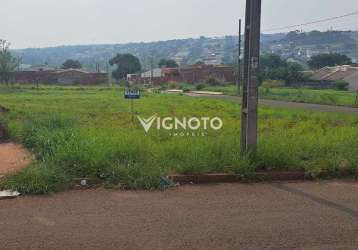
column 19, row 63
column 239, row 78
column 151, row 70
column 249, row 115
column 109, row 74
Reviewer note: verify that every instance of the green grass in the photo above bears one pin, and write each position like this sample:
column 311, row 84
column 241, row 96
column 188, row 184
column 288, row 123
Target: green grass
column 87, row 132
column 328, row 97
column 304, row 95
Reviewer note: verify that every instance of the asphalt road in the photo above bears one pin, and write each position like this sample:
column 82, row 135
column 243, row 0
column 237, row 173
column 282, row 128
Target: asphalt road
column 224, row 216
column 285, row 104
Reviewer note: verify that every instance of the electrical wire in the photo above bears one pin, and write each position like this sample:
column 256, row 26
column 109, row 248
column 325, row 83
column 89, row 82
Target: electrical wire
column 313, row 22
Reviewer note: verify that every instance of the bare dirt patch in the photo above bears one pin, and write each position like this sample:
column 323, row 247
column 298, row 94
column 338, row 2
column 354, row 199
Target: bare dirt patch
column 13, row 157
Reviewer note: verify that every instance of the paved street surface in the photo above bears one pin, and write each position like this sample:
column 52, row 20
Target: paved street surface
column 224, row 216
column 285, row 104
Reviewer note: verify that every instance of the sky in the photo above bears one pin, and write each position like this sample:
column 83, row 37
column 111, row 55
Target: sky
column 43, row 23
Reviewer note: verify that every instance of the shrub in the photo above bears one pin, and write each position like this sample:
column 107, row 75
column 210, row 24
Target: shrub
column 186, row 90
column 163, row 87
column 124, row 83
column 273, row 83
column 4, row 131
column 37, row 179
column 200, row 86
column 4, row 135
column 212, row 81
column 341, row 85
column 185, row 86
column 173, row 85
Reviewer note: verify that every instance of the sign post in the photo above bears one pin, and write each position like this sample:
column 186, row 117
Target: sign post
column 249, row 113
column 132, row 94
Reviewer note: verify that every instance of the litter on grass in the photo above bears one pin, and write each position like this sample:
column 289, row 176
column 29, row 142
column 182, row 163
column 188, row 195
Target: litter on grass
column 166, row 183
column 9, row 194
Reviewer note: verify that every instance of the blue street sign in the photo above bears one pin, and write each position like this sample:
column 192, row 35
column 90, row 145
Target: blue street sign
column 132, row 94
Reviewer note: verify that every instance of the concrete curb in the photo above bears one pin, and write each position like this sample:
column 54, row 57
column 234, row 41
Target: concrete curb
column 231, row 178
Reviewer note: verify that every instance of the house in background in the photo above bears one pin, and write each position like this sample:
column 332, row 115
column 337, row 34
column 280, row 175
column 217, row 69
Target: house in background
column 190, row 74
column 345, row 73
column 156, row 76
column 81, row 77
column 59, row 77
column 201, row 73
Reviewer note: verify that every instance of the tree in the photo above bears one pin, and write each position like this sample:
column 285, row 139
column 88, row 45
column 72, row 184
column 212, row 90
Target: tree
column 168, row 63
column 71, row 64
column 294, row 73
column 271, row 61
column 7, row 62
column 323, row 60
column 273, row 67
column 126, row 64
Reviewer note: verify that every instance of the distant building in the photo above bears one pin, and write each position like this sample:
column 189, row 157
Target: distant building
column 156, row 76
column 153, row 73
column 200, row 73
column 24, row 67
column 60, row 77
column 190, row 74
column 346, row 73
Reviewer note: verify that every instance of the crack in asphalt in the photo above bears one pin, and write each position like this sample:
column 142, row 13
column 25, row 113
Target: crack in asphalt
column 353, row 213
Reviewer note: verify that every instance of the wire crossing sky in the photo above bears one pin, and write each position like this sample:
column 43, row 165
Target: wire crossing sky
column 313, row 22
column 41, row 23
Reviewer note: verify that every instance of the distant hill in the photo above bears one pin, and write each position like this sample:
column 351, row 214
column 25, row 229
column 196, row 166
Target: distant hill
column 301, row 46
column 219, row 50
column 185, row 51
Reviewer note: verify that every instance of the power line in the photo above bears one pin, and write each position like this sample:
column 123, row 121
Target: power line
column 313, row 22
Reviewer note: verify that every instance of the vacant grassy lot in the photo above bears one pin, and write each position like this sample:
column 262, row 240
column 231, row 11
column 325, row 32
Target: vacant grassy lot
column 87, row 132
column 305, row 95
column 329, row 97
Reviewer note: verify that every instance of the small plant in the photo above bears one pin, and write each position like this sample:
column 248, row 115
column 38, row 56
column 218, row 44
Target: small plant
column 184, row 86
column 267, row 91
column 4, row 134
column 186, row 90
column 212, row 81
column 173, row 85
column 163, row 87
column 341, row 85
column 329, row 99
column 200, row 86
column 4, row 129
column 124, row 83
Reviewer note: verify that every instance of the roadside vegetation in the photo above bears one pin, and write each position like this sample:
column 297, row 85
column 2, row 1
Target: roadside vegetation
column 303, row 95
column 87, row 133
column 281, row 80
